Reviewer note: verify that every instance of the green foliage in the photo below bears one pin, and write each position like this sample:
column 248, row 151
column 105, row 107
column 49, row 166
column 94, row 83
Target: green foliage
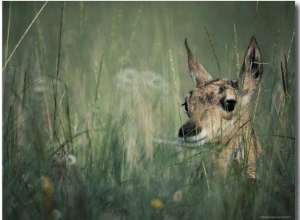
column 86, row 93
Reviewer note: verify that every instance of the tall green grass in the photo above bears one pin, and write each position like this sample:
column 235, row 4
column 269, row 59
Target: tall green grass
column 86, row 93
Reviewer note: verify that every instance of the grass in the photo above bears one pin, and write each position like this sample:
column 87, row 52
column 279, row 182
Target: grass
column 86, row 93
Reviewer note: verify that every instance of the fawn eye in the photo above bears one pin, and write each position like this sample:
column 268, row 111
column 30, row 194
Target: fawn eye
column 221, row 88
column 228, row 105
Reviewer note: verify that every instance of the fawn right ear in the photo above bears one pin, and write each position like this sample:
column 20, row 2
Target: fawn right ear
column 197, row 71
column 252, row 69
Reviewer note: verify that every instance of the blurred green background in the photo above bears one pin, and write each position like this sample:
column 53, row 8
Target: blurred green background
column 113, row 79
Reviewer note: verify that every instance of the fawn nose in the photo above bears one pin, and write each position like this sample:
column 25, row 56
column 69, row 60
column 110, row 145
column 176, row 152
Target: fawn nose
column 188, row 129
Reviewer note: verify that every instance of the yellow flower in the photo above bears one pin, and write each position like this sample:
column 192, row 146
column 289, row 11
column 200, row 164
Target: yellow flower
column 157, row 203
column 48, row 198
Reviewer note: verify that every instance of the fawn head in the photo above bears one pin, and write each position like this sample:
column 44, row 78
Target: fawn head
column 216, row 106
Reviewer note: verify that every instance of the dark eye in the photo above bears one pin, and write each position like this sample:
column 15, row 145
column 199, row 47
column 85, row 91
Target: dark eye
column 185, row 106
column 221, row 89
column 228, row 105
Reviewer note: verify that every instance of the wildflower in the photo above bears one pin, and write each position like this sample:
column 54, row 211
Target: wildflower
column 71, row 159
column 177, row 196
column 56, row 214
column 157, row 203
column 48, row 204
column 47, row 186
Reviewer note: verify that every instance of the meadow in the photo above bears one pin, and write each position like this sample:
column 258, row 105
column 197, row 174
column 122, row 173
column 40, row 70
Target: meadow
column 88, row 89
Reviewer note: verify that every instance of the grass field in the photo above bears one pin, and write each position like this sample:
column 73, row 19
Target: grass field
column 90, row 86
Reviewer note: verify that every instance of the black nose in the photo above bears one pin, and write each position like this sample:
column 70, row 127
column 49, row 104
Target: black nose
column 181, row 132
column 188, row 129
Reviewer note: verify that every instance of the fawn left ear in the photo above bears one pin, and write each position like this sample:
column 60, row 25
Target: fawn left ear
column 252, row 69
column 197, row 71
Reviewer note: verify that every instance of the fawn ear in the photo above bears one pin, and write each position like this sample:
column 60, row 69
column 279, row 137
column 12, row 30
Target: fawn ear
column 197, row 71
column 252, row 69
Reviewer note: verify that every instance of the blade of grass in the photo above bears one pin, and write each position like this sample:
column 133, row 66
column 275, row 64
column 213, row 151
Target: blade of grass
column 28, row 28
column 213, row 48
column 55, row 93
column 8, row 31
column 237, row 55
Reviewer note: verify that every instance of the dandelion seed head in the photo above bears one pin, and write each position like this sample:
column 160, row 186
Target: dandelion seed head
column 71, row 159
column 177, row 196
column 56, row 214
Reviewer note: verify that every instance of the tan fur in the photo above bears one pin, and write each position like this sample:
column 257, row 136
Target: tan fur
column 218, row 112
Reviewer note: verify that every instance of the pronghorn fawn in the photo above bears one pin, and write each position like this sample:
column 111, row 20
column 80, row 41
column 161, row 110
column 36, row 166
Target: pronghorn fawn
column 218, row 112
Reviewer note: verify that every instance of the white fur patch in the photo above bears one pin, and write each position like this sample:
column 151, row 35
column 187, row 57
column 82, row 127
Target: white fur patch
column 246, row 99
column 200, row 138
column 240, row 153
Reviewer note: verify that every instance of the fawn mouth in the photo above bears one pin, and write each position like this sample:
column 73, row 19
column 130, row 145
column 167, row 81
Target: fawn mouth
column 199, row 139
